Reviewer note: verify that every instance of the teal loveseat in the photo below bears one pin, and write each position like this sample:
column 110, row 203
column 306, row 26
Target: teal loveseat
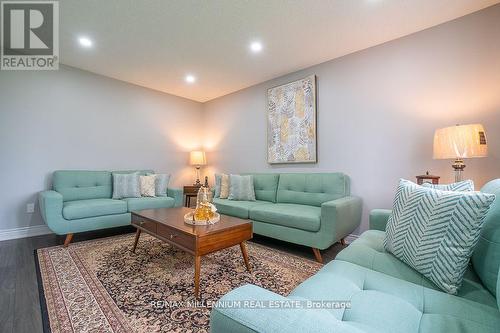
column 385, row 294
column 81, row 201
column 311, row 209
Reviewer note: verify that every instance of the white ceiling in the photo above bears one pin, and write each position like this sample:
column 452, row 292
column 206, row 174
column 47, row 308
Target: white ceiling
column 156, row 43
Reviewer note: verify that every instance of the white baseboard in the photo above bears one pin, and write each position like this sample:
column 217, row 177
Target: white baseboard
column 24, row 232
column 351, row 238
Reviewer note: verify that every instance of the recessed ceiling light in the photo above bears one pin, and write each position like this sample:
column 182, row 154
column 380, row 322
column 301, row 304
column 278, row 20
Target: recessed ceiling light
column 256, row 47
column 190, row 78
column 85, row 42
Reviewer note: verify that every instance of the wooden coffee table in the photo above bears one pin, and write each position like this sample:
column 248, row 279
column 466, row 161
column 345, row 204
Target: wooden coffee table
column 168, row 225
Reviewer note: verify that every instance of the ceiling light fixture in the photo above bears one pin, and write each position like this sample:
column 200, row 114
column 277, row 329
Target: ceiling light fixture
column 190, row 78
column 256, row 47
column 85, row 42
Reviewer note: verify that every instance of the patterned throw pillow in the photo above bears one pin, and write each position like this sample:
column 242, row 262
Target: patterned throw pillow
column 224, row 186
column 465, row 185
column 161, row 184
column 217, row 185
column 241, row 188
column 436, row 231
column 126, row 185
column 147, row 185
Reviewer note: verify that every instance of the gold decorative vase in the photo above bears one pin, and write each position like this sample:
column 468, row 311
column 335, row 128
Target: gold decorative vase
column 205, row 212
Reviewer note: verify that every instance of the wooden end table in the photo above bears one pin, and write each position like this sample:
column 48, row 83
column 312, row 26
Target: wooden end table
column 167, row 224
column 190, row 191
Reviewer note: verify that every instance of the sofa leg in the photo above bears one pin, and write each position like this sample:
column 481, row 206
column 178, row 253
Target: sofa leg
column 342, row 241
column 317, row 254
column 68, row 239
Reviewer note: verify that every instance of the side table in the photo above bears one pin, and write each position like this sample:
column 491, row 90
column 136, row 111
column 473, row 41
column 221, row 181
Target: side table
column 190, row 191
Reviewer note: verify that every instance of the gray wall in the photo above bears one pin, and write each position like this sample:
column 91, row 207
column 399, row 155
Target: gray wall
column 378, row 109
column 72, row 119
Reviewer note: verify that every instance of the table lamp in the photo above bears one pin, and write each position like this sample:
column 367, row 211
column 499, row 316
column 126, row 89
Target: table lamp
column 459, row 142
column 198, row 159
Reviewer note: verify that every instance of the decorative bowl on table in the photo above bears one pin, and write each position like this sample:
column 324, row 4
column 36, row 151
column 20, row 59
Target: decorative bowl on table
column 190, row 218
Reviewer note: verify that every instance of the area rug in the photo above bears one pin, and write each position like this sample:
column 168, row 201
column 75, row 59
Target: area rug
column 101, row 286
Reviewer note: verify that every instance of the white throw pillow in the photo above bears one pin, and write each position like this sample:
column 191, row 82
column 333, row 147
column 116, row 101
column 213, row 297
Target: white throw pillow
column 147, row 184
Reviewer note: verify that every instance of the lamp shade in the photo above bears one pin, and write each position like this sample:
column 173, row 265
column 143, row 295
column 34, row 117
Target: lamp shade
column 461, row 141
column 197, row 158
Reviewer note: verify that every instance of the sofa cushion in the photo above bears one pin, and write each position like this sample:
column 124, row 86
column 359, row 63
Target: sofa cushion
column 381, row 303
column 368, row 251
column 265, row 186
column 486, row 256
column 435, row 231
column 126, row 185
column 241, row 188
column 311, row 189
column 289, row 215
column 148, row 203
column 235, row 208
column 82, row 185
column 218, row 180
column 81, row 209
column 147, row 186
column 161, row 184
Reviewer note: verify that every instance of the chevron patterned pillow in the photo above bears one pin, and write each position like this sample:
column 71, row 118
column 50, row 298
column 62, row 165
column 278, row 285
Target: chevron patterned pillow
column 436, row 231
column 465, row 185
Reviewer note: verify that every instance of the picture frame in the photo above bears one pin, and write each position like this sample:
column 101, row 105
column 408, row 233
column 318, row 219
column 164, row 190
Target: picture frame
column 292, row 122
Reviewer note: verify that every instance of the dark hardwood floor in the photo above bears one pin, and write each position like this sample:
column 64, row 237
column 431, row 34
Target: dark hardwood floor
column 19, row 298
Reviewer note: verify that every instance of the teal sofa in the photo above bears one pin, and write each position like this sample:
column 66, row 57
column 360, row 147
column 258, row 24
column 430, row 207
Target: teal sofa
column 81, row 201
column 311, row 209
column 385, row 294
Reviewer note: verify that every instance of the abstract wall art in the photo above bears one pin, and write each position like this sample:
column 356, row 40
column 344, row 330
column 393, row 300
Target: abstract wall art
column 291, row 122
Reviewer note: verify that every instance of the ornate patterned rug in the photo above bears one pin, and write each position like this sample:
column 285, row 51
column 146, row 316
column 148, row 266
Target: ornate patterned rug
column 101, row 286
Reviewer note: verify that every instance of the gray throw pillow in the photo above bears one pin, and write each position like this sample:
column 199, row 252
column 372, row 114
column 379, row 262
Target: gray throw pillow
column 161, row 184
column 435, row 231
column 465, row 185
column 241, row 188
column 126, row 185
column 217, row 185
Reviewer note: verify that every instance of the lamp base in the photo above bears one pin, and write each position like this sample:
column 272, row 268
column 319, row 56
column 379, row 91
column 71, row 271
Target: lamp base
column 459, row 167
column 197, row 183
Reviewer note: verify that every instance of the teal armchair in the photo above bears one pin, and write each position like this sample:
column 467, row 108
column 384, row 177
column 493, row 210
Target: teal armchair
column 82, row 201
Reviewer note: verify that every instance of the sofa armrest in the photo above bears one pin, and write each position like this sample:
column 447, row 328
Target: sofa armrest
column 253, row 309
column 340, row 217
column 51, row 206
column 379, row 218
column 177, row 194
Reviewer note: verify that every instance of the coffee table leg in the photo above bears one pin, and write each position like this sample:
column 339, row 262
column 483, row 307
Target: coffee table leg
column 245, row 255
column 197, row 266
column 137, row 235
